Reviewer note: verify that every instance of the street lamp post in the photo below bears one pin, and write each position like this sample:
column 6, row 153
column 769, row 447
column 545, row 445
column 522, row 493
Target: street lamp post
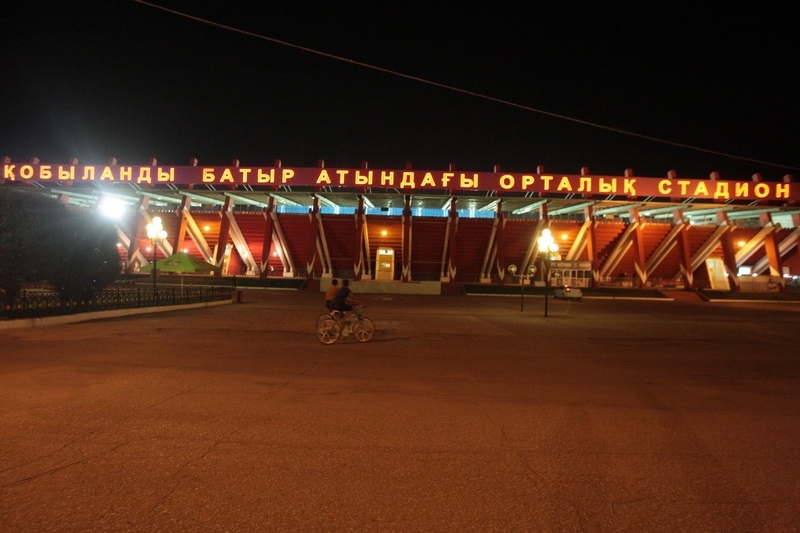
column 157, row 234
column 548, row 248
column 512, row 269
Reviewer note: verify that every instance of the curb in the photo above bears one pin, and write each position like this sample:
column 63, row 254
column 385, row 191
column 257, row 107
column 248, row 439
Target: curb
column 96, row 315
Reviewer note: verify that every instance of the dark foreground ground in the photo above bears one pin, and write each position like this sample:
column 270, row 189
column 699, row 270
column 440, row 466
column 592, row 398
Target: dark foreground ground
column 462, row 414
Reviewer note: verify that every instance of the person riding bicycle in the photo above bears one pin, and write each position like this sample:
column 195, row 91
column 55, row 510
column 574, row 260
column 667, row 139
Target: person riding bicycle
column 343, row 300
column 330, row 293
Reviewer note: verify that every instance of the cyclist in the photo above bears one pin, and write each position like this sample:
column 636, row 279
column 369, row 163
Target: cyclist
column 343, row 301
column 330, row 293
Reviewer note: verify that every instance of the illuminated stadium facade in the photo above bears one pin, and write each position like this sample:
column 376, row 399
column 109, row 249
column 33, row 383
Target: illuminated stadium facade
column 443, row 226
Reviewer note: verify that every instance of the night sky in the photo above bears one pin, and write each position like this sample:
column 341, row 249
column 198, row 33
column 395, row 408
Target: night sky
column 122, row 79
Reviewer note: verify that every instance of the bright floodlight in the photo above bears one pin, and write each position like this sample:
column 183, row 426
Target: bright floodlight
column 111, row 208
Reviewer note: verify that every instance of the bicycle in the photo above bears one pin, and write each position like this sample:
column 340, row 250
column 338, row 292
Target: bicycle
column 333, row 326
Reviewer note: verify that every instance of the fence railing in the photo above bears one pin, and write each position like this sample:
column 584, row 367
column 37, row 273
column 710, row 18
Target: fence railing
column 40, row 303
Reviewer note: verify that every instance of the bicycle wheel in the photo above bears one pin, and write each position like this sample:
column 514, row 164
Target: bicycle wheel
column 363, row 328
column 322, row 318
column 329, row 332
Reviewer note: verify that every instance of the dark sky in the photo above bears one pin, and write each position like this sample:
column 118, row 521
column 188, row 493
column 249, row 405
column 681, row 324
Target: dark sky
column 122, row 79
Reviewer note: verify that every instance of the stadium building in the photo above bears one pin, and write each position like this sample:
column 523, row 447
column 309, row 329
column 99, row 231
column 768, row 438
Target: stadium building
column 405, row 229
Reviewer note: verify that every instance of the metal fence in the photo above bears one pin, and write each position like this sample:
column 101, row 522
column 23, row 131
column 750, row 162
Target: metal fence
column 40, row 303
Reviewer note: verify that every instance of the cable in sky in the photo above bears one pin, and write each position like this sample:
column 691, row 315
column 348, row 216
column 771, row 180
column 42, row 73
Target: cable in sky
column 464, row 91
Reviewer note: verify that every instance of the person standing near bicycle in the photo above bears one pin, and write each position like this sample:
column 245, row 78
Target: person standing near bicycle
column 331, row 293
column 343, row 300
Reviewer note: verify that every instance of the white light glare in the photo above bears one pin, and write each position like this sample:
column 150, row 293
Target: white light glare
column 111, row 208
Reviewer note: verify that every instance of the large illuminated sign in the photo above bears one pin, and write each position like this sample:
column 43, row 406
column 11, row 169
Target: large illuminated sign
column 408, row 181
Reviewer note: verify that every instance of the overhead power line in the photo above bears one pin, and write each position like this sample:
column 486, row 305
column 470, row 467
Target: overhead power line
column 465, row 91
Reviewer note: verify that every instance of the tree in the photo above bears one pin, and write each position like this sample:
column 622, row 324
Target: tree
column 82, row 255
column 43, row 240
column 21, row 216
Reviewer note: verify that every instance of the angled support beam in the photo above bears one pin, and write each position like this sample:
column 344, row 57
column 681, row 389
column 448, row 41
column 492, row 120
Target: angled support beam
column 449, row 263
column 580, row 242
column 705, row 250
column 491, row 248
column 500, row 246
column 685, row 250
column 407, row 240
column 790, row 242
column 544, row 222
column 772, row 250
column 639, row 259
column 282, row 248
column 323, row 250
column 358, row 261
column 224, row 231
column 239, row 242
column 313, row 237
column 180, row 235
column 135, row 232
column 591, row 244
column 663, row 249
column 196, row 234
column 728, row 251
column 266, row 247
column 619, row 251
column 753, row 245
column 533, row 250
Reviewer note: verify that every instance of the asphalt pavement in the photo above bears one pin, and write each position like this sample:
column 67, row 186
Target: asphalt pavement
column 462, row 414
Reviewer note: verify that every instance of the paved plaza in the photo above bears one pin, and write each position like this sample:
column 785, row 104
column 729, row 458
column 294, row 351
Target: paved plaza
column 462, row 414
